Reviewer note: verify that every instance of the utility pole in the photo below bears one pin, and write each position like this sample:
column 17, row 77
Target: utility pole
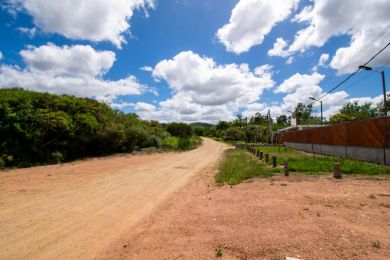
column 364, row 67
column 321, row 106
column 269, row 127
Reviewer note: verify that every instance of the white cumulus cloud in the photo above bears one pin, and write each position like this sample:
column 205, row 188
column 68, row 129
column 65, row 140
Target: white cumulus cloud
column 146, row 68
column 298, row 88
column 251, row 21
column 94, row 20
column 330, row 18
column 204, row 90
column 279, row 48
column 321, row 61
column 75, row 70
column 77, row 61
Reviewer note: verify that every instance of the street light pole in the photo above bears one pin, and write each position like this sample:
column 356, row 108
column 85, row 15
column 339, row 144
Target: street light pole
column 385, row 120
column 321, row 107
column 364, row 67
column 321, row 112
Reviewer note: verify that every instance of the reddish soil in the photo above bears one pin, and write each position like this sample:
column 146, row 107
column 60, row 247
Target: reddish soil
column 77, row 210
column 167, row 206
column 302, row 216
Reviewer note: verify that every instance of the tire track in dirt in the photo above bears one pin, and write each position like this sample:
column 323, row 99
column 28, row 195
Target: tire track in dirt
column 78, row 209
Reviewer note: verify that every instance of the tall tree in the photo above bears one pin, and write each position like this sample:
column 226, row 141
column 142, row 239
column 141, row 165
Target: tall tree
column 282, row 120
column 302, row 113
column 354, row 111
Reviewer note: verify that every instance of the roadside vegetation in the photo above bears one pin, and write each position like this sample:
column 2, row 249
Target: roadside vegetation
column 38, row 128
column 308, row 163
column 239, row 165
column 256, row 129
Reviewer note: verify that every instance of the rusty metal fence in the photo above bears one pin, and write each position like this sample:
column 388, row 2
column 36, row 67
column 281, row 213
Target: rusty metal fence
column 362, row 133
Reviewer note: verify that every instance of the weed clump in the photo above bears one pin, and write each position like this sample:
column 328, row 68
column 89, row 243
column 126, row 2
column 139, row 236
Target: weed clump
column 219, row 251
column 376, row 244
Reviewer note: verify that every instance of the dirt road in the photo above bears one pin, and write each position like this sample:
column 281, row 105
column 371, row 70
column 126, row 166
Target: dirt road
column 79, row 209
column 301, row 216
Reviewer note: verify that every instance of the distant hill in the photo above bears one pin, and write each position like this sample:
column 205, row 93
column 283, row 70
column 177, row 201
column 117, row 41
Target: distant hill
column 205, row 125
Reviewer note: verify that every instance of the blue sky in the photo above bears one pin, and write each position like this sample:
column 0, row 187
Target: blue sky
column 187, row 60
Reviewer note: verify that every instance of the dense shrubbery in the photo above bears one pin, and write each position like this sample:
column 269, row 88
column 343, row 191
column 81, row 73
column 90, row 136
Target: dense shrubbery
column 253, row 129
column 40, row 127
column 179, row 129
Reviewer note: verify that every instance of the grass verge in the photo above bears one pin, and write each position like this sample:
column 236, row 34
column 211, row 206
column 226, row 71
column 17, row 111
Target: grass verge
column 238, row 165
column 305, row 162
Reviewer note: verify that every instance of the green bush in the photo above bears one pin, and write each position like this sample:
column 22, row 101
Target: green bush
column 180, row 143
column 183, row 143
column 35, row 126
column 57, row 157
column 180, row 129
column 2, row 163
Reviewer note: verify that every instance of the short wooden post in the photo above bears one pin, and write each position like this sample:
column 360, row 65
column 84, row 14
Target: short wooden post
column 336, row 171
column 261, row 155
column 286, row 168
column 273, row 161
column 257, row 153
column 267, row 157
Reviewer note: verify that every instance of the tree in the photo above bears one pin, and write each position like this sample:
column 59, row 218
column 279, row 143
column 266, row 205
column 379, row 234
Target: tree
column 40, row 127
column 380, row 105
column 222, row 125
column 199, row 130
column 239, row 121
column 282, row 120
column 258, row 119
column 234, row 133
column 179, row 129
column 354, row 111
column 302, row 113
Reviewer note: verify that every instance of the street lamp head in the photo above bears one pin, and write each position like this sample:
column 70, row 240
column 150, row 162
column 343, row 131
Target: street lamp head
column 364, row 67
column 312, row 98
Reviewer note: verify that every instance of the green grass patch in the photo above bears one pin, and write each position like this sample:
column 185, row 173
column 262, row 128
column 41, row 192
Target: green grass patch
column 181, row 143
column 239, row 165
column 305, row 162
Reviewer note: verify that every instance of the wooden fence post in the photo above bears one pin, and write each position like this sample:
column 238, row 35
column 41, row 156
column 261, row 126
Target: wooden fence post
column 274, row 161
column 336, row 171
column 286, row 168
column 261, row 155
column 267, row 157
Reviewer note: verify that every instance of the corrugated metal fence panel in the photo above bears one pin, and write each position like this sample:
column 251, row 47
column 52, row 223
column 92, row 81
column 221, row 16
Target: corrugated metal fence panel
column 355, row 134
column 316, row 135
column 365, row 133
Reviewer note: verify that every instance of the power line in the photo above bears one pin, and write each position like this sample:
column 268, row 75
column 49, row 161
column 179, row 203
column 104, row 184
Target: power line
column 351, row 75
column 369, row 75
column 365, row 48
column 359, row 53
